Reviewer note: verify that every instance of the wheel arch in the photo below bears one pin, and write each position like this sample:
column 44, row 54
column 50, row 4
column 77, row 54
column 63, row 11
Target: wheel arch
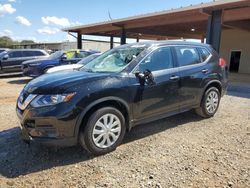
column 211, row 83
column 48, row 67
column 116, row 102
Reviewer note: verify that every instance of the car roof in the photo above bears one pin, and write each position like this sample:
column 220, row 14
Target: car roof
column 26, row 50
column 148, row 44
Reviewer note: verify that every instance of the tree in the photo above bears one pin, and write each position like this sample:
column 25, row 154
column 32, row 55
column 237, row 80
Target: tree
column 5, row 42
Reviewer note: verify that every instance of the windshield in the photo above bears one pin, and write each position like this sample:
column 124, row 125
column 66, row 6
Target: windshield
column 86, row 60
column 56, row 55
column 114, row 60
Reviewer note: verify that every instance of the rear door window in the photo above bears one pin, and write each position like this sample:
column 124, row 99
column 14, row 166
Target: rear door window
column 38, row 53
column 187, row 55
column 160, row 59
column 15, row 54
column 28, row 53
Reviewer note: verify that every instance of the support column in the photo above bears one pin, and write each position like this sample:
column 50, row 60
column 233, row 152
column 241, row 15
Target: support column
column 137, row 39
column 202, row 38
column 123, row 36
column 111, row 42
column 214, row 28
column 79, row 41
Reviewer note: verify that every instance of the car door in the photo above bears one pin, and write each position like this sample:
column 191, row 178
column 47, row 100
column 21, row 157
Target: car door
column 160, row 97
column 13, row 60
column 192, row 72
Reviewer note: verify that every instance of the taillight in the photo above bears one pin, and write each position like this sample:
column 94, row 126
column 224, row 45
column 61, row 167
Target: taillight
column 222, row 62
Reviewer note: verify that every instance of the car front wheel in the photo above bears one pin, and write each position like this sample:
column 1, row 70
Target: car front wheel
column 104, row 131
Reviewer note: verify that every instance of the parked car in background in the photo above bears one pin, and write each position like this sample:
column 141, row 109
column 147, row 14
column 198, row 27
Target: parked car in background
column 34, row 68
column 11, row 59
column 126, row 86
column 78, row 65
column 3, row 50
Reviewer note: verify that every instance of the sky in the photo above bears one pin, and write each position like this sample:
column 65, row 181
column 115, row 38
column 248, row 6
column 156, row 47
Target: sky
column 42, row 20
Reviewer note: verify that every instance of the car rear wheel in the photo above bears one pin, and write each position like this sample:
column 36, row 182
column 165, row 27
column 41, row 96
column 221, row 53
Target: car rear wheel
column 210, row 103
column 104, row 131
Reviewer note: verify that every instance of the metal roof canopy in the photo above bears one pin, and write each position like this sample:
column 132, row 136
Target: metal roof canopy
column 186, row 22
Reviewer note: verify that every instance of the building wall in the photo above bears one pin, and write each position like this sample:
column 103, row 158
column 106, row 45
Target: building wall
column 101, row 46
column 235, row 39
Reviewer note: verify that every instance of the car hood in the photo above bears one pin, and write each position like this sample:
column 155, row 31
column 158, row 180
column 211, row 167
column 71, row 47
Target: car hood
column 40, row 60
column 60, row 82
column 64, row 67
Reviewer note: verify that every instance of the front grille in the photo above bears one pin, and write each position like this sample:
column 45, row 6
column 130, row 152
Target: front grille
column 24, row 99
column 24, row 66
column 25, row 95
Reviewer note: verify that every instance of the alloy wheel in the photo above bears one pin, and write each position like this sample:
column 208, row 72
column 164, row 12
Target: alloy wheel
column 106, row 131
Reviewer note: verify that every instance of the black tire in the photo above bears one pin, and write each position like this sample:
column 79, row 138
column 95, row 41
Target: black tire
column 85, row 136
column 202, row 110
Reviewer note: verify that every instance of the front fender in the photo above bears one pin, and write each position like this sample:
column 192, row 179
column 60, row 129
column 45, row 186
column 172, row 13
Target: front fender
column 96, row 102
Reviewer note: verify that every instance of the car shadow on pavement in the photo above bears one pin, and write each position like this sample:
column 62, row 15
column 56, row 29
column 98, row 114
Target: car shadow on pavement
column 20, row 81
column 18, row 158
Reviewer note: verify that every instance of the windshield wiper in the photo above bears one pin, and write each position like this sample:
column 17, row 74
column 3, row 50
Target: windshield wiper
column 87, row 70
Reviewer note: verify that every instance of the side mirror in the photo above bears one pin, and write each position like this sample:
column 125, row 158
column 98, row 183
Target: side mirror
column 145, row 77
column 64, row 57
column 5, row 57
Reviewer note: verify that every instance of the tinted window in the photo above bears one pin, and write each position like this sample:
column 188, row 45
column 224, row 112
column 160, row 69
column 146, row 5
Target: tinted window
column 187, row 55
column 15, row 54
column 38, row 53
column 160, row 59
column 82, row 54
column 28, row 53
column 204, row 54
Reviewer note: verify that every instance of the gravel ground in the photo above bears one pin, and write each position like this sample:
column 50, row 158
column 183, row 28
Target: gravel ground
column 180, row 151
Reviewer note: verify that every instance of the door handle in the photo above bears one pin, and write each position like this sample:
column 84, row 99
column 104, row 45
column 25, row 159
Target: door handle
column 174, row 77
column 204, row 71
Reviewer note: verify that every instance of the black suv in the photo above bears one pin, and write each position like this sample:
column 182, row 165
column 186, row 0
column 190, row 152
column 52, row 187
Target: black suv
column 11, row 60
column 123, row 87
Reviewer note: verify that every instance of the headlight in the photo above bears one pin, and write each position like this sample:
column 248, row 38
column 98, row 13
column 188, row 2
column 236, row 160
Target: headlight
column 48, row 100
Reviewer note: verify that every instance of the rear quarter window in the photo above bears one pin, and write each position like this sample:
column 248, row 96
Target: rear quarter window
column 204, row 53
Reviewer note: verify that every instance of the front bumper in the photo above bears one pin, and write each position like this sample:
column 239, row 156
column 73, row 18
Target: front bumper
column 48, row 129
column 63, row 142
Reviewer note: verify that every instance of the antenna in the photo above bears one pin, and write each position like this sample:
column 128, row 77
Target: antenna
column 110, row 16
